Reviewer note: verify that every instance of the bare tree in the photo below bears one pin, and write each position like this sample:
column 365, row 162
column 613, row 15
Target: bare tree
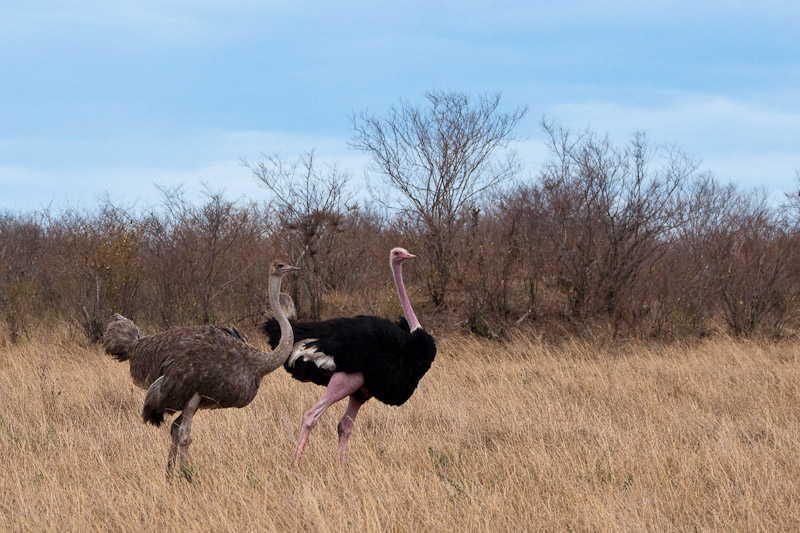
column 613, row 214
column 524, row 213
column 749, row 254
column 22, row 244
column 197, row 253
column 440, row 159
column 310, row 203
column 97, row 259
column 790, row 207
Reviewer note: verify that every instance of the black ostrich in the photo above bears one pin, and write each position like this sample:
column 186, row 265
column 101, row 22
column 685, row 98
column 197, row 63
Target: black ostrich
column 360, row 357
column 197, row 367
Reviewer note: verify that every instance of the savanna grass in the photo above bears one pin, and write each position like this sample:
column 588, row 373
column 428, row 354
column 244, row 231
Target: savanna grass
column 515, row 436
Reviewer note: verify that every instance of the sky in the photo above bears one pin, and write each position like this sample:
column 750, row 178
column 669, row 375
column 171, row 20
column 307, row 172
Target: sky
column 117, row 98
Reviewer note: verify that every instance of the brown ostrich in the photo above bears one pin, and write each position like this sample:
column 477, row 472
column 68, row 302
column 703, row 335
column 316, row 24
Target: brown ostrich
column 197, row 367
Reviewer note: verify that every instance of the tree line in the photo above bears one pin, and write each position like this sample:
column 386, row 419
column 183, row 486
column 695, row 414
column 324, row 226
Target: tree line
column 601, row 238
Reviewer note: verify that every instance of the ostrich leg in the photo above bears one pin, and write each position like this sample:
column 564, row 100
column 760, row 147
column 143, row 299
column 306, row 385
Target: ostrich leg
column 173, row 447
column 341, row 386
column 181, row 436
column 345, row 427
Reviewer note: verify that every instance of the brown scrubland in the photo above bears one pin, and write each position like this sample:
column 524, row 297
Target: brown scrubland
column 633, row 239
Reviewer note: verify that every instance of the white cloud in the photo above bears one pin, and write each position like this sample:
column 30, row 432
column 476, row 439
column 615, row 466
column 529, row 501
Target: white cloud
column 749, row 144
column 26, row 189
column 774, row 172
column 212, row 160
column 699, row 116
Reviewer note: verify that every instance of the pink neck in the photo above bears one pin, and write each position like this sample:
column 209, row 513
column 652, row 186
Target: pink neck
column 397, row 270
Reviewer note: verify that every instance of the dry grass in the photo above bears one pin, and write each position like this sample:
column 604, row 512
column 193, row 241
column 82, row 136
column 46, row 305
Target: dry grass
column 514, row 437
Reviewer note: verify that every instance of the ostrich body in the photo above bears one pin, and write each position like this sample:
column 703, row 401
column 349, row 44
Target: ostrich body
column 197, row 367
column 360, row 357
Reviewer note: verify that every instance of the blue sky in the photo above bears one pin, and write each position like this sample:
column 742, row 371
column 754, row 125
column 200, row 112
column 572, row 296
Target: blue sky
column 117, row 96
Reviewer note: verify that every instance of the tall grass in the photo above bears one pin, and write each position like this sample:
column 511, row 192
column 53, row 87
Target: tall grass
column 499, row 437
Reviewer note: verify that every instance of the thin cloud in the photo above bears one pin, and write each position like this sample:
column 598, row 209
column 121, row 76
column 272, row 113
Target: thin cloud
column 211, row 160
column 30, row 189
column 738, row 141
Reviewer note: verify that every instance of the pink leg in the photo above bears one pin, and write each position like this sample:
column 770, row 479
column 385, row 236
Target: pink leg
column 341, row 386
column 345, row 427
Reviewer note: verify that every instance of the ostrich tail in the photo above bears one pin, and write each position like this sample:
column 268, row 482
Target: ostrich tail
column 152, row 411
column 119, row 337
column 152, row 416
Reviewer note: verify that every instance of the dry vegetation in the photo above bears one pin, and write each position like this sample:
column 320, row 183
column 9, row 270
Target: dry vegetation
column 509, row 436
column 632, row 239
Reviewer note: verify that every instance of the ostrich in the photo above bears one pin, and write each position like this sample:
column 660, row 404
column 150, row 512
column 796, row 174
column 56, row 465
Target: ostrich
column 197, row 367
column 360, row 357
column 287, row 304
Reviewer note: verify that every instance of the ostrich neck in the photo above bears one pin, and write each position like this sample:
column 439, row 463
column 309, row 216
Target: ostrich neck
column 397, row 270
column 281, row 353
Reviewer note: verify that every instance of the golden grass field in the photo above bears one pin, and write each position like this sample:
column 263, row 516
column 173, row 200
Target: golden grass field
column 520, row 436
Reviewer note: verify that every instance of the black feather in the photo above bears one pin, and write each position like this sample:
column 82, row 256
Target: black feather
column 234, row 332
column 391, row 357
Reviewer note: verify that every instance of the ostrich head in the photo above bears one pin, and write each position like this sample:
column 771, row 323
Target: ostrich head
column 279, row 268
column 398, row 255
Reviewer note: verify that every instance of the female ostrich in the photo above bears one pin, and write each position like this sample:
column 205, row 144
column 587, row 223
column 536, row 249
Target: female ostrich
column 197, row 367
column 360, row 357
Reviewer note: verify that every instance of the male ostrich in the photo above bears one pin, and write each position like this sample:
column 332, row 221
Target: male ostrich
column 360, row 357
column 197, row 367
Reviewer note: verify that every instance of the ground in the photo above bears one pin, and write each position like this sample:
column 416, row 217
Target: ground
column 499, row 436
